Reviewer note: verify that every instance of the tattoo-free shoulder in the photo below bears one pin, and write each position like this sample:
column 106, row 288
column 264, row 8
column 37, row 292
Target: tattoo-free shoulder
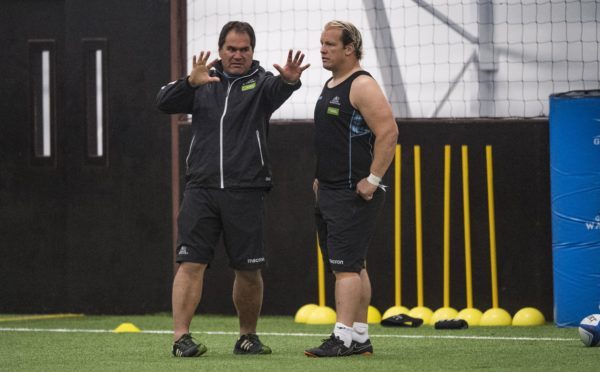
column 363, row 89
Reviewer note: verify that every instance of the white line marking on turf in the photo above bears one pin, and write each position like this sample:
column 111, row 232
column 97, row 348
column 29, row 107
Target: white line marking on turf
column 162, row 332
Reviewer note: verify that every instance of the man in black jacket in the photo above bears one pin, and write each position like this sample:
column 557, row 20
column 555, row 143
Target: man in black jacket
column 231, row 100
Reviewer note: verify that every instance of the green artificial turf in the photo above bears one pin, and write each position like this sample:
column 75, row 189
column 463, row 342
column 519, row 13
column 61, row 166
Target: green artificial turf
column 87, row 344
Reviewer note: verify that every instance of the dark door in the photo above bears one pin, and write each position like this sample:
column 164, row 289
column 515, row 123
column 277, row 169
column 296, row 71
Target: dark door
column 84, row 158
column 32, row 173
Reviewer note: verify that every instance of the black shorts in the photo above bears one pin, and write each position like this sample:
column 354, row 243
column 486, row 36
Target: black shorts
column 345, row 224
column 205, row 214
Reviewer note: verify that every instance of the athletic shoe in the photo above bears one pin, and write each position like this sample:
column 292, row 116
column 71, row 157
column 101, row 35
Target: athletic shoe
column 362, row 348
column 250, row 344
column 186, row 347
column 331, row 347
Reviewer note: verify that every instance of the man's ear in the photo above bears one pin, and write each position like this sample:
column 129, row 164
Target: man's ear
column 349, row 49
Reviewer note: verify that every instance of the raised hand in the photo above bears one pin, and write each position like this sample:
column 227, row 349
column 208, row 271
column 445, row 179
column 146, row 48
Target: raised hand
column 291, row 72
column 200, row 70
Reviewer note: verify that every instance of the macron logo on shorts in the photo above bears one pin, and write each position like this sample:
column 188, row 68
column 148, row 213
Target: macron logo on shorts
column 183, row 250
column 256, row 260
column 336, row 262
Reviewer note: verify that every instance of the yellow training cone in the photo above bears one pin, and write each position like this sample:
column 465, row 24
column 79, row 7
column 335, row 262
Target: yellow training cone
column 470, row 315
column 126, row 328
column 422, row 312
column 321, row 315
column 443, row 313
column 304, row 312
column 528, row 316
column 395, row 310
column 373, row 315
column 495, row 317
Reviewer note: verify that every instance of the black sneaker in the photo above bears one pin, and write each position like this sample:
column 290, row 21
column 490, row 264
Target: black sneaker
column 250, row 344
column 331, row 347
column 186, row 347
column 362, row 348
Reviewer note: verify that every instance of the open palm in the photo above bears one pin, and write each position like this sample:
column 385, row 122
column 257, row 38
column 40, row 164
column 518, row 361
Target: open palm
column 200, row 70
column 293, row 68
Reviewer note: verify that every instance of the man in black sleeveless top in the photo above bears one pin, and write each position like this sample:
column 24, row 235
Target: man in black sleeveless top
column 355, row 142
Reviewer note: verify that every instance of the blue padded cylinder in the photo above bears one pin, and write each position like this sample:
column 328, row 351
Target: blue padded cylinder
column 575, row 190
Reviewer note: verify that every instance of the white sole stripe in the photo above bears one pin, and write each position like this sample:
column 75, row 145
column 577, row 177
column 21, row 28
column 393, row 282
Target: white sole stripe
column 443, row 337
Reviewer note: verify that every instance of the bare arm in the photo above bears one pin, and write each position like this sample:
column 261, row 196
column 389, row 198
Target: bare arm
column 368, row 98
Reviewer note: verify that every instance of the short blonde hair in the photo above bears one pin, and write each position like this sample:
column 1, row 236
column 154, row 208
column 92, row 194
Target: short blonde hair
column 350, row 35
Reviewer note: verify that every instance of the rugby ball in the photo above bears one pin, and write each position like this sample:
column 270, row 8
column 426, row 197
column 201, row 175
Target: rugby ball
column 589, row 330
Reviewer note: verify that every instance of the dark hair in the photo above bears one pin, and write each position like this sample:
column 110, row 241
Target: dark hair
column 240, row 27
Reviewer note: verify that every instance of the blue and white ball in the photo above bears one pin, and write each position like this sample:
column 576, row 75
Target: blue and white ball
column 589, row 330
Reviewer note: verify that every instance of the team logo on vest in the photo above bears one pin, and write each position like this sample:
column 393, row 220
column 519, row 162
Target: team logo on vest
column 333, row 111
column 250, row 84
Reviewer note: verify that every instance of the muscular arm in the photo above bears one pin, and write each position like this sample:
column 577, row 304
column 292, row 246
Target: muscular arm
column 368, row 98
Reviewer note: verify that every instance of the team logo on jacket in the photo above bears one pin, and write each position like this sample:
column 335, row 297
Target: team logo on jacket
column 250, row 84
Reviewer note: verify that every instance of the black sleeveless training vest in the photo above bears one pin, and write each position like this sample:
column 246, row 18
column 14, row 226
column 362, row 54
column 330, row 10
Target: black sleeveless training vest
column 344, row 142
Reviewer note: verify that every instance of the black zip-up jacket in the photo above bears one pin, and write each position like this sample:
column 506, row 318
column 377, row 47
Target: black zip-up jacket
column 230, row 121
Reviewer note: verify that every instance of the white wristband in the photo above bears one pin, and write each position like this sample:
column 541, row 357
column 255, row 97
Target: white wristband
column 374, row 180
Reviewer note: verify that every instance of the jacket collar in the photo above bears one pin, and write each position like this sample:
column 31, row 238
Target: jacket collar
column 253, row 67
